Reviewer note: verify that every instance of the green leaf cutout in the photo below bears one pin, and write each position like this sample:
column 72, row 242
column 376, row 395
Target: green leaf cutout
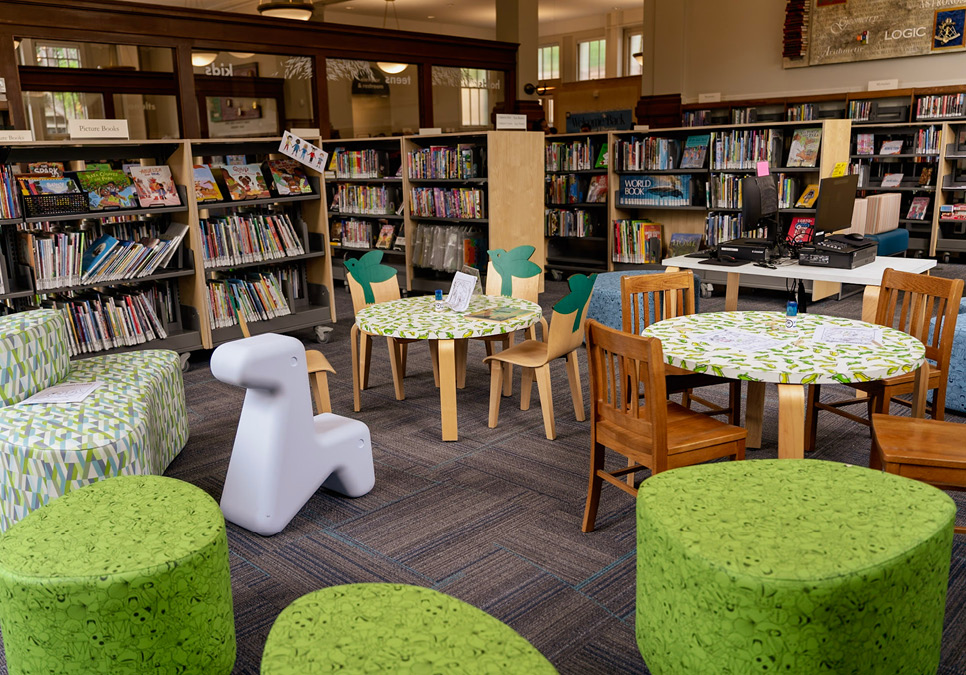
column 580, row 289
column 513, row 263
column 369, row 270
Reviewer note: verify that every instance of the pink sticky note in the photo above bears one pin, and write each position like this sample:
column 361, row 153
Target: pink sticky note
column 763, row 169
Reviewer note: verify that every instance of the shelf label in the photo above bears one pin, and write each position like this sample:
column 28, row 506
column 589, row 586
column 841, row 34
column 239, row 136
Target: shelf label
column 882, row 85
column 714, row 97
column 15, row 136
column 514, row 122
column 841, row 168
column 305, row 133
column 97, row 129
column 430, row 131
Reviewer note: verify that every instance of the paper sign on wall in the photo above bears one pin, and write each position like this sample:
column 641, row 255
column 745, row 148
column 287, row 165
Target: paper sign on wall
column 302, row 151
column 516, row 122
column 97, row 128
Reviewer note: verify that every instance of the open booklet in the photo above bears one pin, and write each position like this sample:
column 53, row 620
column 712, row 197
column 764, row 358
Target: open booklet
column 498, row 314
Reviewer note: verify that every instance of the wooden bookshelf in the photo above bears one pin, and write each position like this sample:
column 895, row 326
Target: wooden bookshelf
column 949, row 234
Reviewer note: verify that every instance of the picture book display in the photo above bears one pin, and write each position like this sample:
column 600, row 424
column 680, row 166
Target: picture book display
column 808, row 198
column 800, row 230
column 891, row 147
column 386, row 235
column 918, row 208
column 597, row 190
column 695, row 152
column 804, row 147
column 155, row 186
column 108, row 189
column 892, row 180
column 206, row 188
column 865, row 144
column 51, row 169
column 245, row 181
column 44, row 185
column 288, row 178
column 683, row 243
column 601, row 162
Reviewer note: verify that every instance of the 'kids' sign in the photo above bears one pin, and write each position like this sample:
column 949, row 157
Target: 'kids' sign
column 302, row 151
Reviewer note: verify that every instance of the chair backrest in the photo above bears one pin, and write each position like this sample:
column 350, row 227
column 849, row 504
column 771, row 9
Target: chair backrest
column 370, row 282
column 646, row 298
column 911, row 302
column 618, row 364
column 513, row 274
column 569, row 314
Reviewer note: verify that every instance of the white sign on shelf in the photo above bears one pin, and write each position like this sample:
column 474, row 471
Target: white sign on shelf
column 642, row 127
column 16, row 136
column 514, row 122
column 97, row 129
column 709, row 98
column 303, row 152
column 430, row 131
column 306, row 133
column 882, row 85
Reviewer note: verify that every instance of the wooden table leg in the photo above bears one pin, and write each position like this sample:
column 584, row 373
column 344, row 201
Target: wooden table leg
column 395, row 363
column 870, row 299
column 462, row 347
column 447, row 389
column 731, row 292
column 754, row 413
column 791, row 421
column 919, row 391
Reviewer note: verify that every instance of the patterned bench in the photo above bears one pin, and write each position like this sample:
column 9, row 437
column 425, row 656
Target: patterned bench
column 136, row 423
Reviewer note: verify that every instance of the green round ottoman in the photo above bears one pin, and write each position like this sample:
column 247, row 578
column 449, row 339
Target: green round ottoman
column 790, row 566
column 393, row 628
column 128, row 575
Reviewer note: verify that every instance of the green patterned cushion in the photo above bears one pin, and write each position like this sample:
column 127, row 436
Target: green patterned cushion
column 126, row 576
column 33, row 351
column 136, row 424
column 790, row 566
column 391, row 628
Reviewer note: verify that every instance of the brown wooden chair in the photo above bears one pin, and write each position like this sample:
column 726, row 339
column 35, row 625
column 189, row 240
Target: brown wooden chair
column 655, row 433
column 910, row 303
column 928, row 450
column 647, row 298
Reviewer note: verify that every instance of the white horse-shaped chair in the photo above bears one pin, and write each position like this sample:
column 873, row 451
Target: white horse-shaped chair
column 282, row 455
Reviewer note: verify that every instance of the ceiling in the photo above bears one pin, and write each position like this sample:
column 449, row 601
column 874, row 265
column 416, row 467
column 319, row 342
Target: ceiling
column 475, row 13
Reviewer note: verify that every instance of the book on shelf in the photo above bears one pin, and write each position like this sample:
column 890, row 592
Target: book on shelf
column 206, row 188
column 386, row 235
column 497, row 314
column 892, row 180
column 682, row 243
column 661, row 190
column 335, row 233
column 155, row 186
column 865, row 144
column 800, row 230
column 952, row 211
column 602, row 156
column 893, row 147
column 245, row 181
column 246, row 238
column 804, row 147
column 918, row 208
column 97, row 166
column 235, row 160
column 108, row 189
column 44, row 185
column 925, row 176
column 637, row 241
column 50, row 169
column 883, row 212
column 695, row 152
column 568, row 223
column 112, row 259
column 808, row 198
column 257, row 297
column 9, row 203
column 597, row 190
column 288, row 178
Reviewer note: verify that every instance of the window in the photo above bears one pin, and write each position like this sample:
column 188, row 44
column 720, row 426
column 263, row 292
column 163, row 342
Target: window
column 474, row 97
column 60, row 106
column 547, row 104
column 548, row 62
column 54, row 55
column 634, row 43
column 591, row 59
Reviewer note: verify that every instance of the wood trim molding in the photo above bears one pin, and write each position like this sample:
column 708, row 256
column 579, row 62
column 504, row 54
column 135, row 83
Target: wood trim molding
column 35, row 78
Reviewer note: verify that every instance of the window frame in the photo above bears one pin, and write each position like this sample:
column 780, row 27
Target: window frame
column 554, row 72
column 597, row 72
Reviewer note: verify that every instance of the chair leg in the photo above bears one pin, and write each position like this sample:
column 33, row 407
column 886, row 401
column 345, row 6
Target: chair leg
column 546, row 400
column 320, row 391
column 686, row 398
column 573, row 374
column 434, row 357
column 507, row 366
column 489, row 347
column 875, row 456
column 461, row 348
column 939, row 402
column 811, row 416
column 496, row 390
column 526, row 382
column 394, row 363
column 403, row 355
column 356, row 371
column 593, row 487
column 366, row 359
column 734, row 409
column 740, row 453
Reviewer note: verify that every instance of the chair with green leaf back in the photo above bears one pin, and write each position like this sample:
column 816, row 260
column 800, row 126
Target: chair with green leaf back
column 565, row 335
column 371, row 282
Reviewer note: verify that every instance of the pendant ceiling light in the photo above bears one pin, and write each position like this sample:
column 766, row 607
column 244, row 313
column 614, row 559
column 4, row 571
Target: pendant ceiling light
column 389, row 67
column 242, row 55
column 202, row 59
column 300, row 10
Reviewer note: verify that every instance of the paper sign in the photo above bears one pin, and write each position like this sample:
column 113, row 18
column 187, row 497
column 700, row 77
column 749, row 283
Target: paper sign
column 305, row 133
column 840, row 169
column 516, row 122
column 302, row 151
column 97, row 128
column 840, row 335
column 741, row 341
column 460, row 292
column 13, row 136
column 64, row 393
column 882, row 85
column 430, row 131
column 762, row 169
column 709, row 98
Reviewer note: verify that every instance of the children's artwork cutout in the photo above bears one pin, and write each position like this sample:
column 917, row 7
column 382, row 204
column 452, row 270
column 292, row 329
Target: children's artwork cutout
column 302, row 151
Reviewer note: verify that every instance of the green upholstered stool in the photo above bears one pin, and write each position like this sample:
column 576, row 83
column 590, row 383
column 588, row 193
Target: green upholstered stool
column 393, row 628
column 126, row 576
column 790, row 566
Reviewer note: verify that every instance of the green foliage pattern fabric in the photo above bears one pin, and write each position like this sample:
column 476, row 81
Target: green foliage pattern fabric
column 414, row 318
column 393, row 628
column 126, row 576
column 790, row 566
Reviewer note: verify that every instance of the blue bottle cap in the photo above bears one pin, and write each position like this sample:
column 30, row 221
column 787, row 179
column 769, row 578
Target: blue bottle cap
column 439, row 294
column 791, row 309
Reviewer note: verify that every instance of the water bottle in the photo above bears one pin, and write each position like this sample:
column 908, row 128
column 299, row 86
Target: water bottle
column 439, row 305
column 791, row 314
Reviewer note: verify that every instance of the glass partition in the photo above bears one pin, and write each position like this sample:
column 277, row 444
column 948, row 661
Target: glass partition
column 369, row 98
column 463, row 98
column 46, row 53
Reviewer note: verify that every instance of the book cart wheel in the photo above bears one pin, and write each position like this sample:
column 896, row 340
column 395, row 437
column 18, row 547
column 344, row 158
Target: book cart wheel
column 323, row 334
column 946, row 257
column 706, row 290
column 185, row 363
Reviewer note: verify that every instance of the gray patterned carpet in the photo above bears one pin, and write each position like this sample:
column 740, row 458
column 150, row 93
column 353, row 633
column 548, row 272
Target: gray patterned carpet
column 493, row 519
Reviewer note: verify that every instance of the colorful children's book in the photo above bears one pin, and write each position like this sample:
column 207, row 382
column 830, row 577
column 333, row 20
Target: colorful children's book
column 601, row 162
column 108, row 189
column 597, row 190
column 98, row 166
column 386, row 234
column 925, row 178
column 695, row 152
column 155, row 186
column 98, row 250
column 497, row 314
column 44, row 185
column 804, row 147
column 891, row 147
column 288, row 178
column 800, row 230
column 683, row 243
column 51, row 169
column 918, row 208
column 246, row 182
column 865, row 144
column 892, row 179
column 808, row 198
column 206, row 188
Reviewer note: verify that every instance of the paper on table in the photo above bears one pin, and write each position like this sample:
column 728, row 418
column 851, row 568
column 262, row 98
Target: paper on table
column 843, row 335
column 64, row 393
column 740, row 340
column 460, row 292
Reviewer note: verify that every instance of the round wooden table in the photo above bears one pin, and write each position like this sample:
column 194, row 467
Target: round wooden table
column 416, row 319
column 756, row 346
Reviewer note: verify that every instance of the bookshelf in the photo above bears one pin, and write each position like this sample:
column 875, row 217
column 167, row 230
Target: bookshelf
column 916, row 156
column 576, row 202
column 949, row 231
column 466, row 194
column 179, row 290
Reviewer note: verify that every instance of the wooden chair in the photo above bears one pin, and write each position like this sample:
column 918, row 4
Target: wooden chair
column 928, row 450
column 653, row 297
column 655, row 433
column 926, row 308
column 563, row 339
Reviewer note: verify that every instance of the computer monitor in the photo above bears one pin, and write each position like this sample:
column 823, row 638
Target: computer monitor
column 759, row 204
column 836, row 200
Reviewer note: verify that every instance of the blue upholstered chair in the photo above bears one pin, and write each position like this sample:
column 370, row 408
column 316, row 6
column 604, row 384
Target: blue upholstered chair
column 956, row 385
column 605, row 303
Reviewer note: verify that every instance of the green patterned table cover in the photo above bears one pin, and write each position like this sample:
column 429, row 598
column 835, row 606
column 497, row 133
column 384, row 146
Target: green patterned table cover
column 798, row 360
column 415, row 318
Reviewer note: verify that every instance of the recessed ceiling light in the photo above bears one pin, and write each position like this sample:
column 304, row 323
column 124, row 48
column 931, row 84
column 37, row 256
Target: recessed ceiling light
column 430, row 17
